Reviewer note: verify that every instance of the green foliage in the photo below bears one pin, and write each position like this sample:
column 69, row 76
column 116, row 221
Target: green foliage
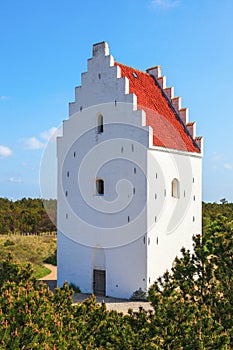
column 192, row 304
column 74, row 287
column 139, row 295
column 27, row 216
column 52, row 258
column 30, row 249
column 213, row 211
column 32, row 317
column 8, row 243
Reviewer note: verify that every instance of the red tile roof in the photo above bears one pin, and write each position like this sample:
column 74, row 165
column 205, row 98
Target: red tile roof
column 168, row 130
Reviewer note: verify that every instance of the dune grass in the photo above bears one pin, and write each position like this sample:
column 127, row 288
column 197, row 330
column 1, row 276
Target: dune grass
column 30, row 249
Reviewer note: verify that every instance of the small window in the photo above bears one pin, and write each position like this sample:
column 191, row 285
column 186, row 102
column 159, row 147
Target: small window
column 99, row 75
column 194, row 198
column 134, row 170
column 66, row 193
column 99, row 186
column 128, row 219
column 175, row 188
column 122, row 149
column 100, row 124
column 134, row 190
column 74, row 154
column 132, row 147
column 157, row 240
column 156, row 176
column 68, row 174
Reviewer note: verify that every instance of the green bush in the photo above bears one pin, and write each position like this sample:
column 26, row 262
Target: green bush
column 52, row 259
column 139, row 295
column 8, row 243
column 74, row 287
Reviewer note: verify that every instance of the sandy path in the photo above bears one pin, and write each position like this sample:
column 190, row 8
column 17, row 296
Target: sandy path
column 52, row 276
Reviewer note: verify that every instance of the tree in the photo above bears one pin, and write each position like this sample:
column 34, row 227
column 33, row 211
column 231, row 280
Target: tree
column 193, row 304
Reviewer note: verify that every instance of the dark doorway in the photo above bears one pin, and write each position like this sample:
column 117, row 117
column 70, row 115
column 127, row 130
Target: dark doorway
column 99, row 282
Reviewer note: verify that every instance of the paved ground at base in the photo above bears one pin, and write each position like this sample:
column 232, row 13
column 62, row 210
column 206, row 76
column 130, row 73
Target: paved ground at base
column 120, row 305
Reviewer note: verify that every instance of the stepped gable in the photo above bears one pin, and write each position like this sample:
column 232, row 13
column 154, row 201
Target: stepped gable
column 163, row 112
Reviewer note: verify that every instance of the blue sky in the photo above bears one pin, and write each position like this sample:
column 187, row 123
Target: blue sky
column 44, row 48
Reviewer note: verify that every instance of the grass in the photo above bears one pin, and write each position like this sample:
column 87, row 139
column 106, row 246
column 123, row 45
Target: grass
column 30, row 249
column 41, row 271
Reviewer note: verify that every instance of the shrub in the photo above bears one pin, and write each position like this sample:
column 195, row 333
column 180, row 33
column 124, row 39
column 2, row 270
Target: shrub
column 75, row 288
column 52, row 259
column 8, row 242
column 139, row 295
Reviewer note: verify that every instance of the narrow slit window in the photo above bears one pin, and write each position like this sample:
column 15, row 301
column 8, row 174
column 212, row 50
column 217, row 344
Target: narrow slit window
column 100, row 124
column 99, row 186
column 175, row 188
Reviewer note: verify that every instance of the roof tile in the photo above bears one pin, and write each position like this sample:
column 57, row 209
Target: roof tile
column 168, row 129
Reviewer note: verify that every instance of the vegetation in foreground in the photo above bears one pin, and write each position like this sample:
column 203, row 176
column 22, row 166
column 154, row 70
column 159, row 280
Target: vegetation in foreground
column 192, row 305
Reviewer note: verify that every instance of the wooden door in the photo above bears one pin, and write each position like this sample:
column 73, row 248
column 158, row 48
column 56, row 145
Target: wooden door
column 99, row 282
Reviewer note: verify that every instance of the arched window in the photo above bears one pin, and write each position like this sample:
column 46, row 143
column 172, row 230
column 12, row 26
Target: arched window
column 175, row 188
column 100, row 124
column 99, row 186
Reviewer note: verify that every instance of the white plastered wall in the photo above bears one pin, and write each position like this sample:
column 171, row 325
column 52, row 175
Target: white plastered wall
column 172, row 221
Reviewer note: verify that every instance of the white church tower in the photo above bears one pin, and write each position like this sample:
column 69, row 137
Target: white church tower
column 129, row 179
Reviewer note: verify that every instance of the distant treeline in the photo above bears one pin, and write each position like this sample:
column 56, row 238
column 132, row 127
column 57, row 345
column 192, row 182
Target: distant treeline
column 27, row 216
column 32, row 216
column 213, row 211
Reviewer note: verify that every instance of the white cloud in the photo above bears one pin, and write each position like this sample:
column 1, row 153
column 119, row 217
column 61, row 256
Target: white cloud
column 5, row 151
column 48, row 133
column 165, row 3
column 228, row 166
column 215, row 157
column 12, row 179
column 32, row 143
column 3, row 98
